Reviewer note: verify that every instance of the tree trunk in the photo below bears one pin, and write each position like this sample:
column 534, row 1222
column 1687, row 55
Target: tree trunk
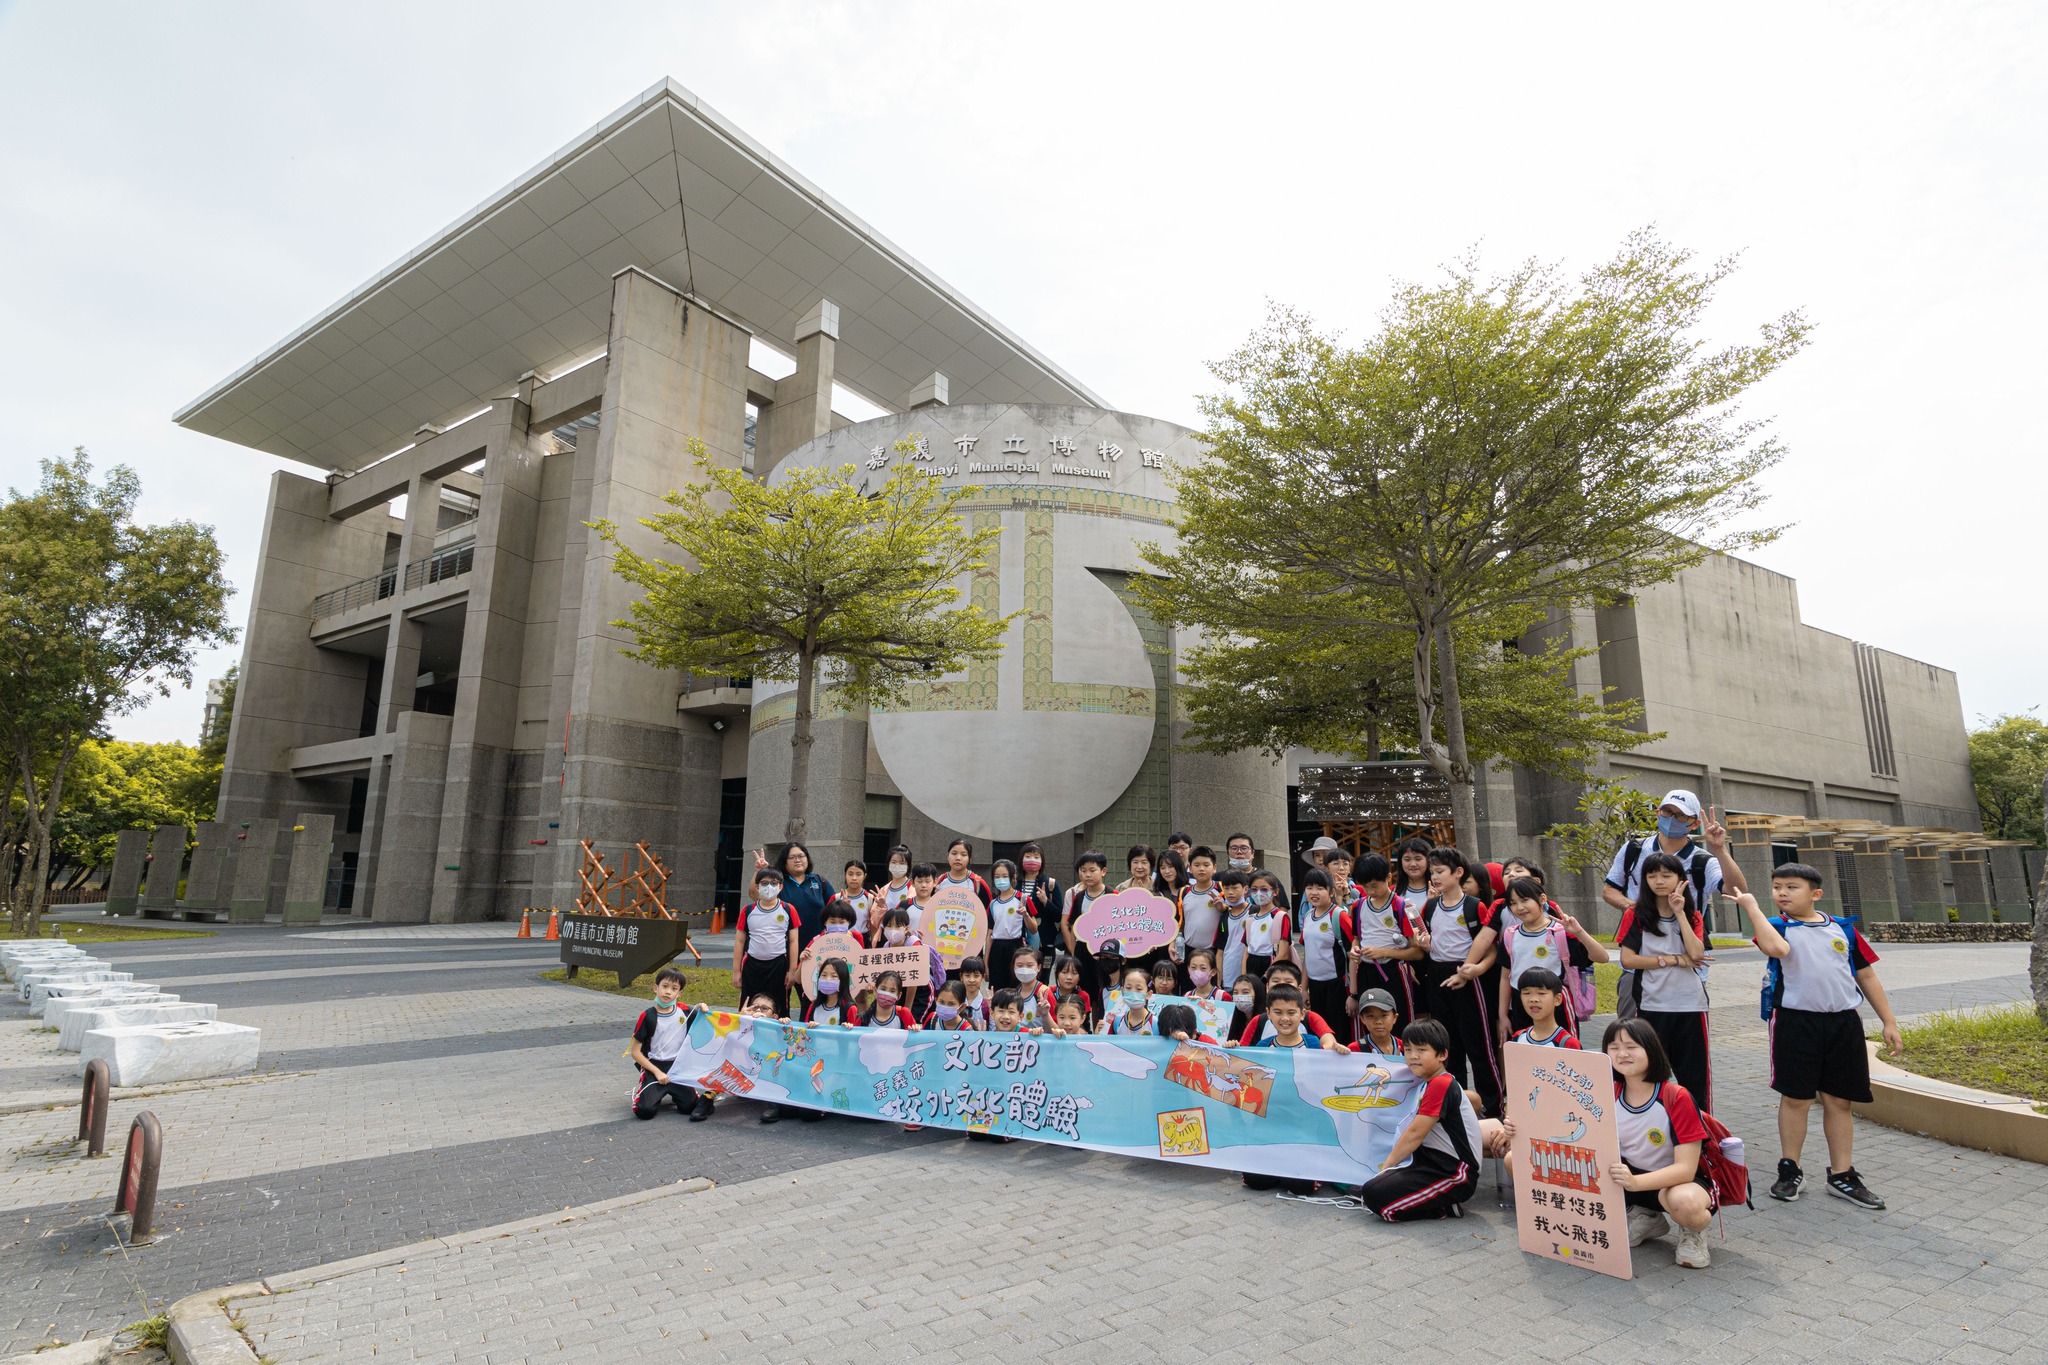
column 1372, row 739
column 2037, row 961
column 34, row 891
column 1464, row 805
column 1425, row 703
column 800, row 750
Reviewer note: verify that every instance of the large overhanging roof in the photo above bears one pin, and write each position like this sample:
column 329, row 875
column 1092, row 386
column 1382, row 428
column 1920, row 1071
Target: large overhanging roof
column 525, row 283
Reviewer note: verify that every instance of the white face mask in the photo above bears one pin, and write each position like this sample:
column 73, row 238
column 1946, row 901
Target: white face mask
column 1243, row 1000
column 1241, row 864
column 1027, row 975
column 893, row 936
column 768, row 892
column 899, row 870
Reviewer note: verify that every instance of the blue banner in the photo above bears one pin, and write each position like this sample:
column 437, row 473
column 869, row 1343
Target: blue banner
column 1300, row 1112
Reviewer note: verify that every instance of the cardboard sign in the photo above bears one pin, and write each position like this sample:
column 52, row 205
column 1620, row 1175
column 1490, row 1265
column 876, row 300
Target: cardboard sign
column 912, row 962
column 820, row 950
column 955, row 924
column 1135, row 921
column 1567, row 1206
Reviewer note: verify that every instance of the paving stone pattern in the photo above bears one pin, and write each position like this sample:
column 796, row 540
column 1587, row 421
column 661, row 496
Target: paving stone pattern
column 404, row 1111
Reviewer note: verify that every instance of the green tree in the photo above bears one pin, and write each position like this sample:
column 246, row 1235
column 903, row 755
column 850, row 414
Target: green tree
column 2008, row 763
column 116, row 785
column 808, row 579
column 1500, row 446
column 1613, row 812
column 96, row 615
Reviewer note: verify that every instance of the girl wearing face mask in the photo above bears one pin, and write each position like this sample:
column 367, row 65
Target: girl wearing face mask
column 1130, row 1011
column 1265, row 929
column 1011, row 920
column 893, row 892
column 765, row 944
column 1454, row 986
column 1202, row 982
column 1042, row 890
column 949, row 1010
column 897, row 933
column 885, row 1005
column 833, row 1003
column 1248, row 995
column 1035, row 997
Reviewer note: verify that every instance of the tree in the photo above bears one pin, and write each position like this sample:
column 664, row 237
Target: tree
column 96, row 615
column 1500, row 447
column 115, row 785
column 1614, row 812
column 808, row 578
column 2008, row 763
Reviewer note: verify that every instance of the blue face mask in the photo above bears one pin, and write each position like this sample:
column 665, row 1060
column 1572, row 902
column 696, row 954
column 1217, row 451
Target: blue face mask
column 1002, row 883
column 1674, row 826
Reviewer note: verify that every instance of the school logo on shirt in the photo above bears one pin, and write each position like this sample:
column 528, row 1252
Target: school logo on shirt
column 1839, row 945
column 1388, row 920
column 1656, row 1137
column 1543, row 950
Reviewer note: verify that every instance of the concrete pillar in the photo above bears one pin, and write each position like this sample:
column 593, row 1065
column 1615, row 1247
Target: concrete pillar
column 1923, row 884
column 205, row 881
column 1876, row 887
column 410, row 839
column 802, row 410
column 1494, row 792
column 253, row 882
column 166, row 869
column 486, row 721
column 124, row 884
column 2009, row 889
column 632, row 768
column 2031, row 861
column 370, row 842
column 1818, row 851
column 1972, row 877
column 1750, row 848
column 305, row 878
column 933, row 391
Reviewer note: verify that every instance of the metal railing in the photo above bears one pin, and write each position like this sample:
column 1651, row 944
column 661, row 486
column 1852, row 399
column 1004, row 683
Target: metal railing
column 448, row 562
column 455, row 560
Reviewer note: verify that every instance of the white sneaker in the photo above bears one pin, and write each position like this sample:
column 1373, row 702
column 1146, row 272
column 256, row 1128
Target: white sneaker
column 1643, row 1224
column 1692, row 1249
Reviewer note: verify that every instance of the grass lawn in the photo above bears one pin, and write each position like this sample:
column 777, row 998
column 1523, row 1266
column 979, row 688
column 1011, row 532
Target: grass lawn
column 1606, row 977
column 704, row 985
column 89, row 932
column 2003, row 1050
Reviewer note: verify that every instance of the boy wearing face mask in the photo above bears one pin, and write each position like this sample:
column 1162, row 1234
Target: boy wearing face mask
column 764, row 944
column 1235, row 907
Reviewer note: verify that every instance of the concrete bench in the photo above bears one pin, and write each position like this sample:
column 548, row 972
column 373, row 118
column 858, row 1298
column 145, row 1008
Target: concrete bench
column 112, row 992
column 83, row 1019
column 39, row 991
column 152, row 1054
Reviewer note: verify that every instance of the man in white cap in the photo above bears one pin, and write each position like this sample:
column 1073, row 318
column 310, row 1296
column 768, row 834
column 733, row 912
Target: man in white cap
column 1678, row 820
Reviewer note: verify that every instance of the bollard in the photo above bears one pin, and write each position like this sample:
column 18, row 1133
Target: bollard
column 92, row 1108
column 136, row 1196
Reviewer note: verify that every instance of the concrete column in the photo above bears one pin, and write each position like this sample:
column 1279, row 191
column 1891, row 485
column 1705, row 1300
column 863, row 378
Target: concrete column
column 1923, row 884
column 1494, row 790
column 933, row 391
column 370, row 842
column 632, row 768
column 305, row 878
column 1875, row 884
column 1750, row 847
column 1972, row 876
column 1818, row 851
column 486, row 721
column 204, row 882
column 253, row 882
column 2009, row 888
column 124, row 884
column 166, row 869
column 802, row 410
column 410, row 839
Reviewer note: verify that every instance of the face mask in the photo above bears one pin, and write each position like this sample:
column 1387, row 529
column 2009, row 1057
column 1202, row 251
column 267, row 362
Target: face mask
column 1243, row 999
column 1199, row 977
column 1262, row 897
column 1134, row 1004
column 668, row 1008
column 885, row 998
column 948, row 1013
column 768, row 892
column 827, row 986
column 899, row 870
column 1031, row 866
column 1673, row 826
column 893, row 936
column 1027, row 975
column 1241, row 864
column 839, row 928
column 1002, row 883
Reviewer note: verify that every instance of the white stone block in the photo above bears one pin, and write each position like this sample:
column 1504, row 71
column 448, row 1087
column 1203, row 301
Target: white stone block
column 39, row 992
column 61, row 999
column 164, row 1010
column 153, row 1054
column 26, row 982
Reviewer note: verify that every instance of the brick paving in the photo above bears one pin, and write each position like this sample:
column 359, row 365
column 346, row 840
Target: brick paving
column 404, row 1112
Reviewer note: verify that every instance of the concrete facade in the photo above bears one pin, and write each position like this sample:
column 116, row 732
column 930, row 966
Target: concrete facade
column 433, row 679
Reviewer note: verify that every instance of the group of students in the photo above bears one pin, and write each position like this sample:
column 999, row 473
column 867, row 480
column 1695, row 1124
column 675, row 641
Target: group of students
column 1426, row 958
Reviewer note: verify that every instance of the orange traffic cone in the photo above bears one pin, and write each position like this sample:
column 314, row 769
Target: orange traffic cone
column 718, row 921
column 525, row 924
column 554, row 924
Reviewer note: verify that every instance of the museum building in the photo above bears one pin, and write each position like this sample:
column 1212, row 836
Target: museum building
column 431, row 668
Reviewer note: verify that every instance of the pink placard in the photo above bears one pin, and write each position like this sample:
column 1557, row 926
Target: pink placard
column 955, row 924
column 1136, row 920
column 1567, row 1206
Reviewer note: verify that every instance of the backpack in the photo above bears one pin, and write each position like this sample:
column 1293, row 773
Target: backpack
column 1581, row 992
column 1721, row 1158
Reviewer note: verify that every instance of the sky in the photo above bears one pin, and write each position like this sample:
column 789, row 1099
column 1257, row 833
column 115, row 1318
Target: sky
column 182, row 186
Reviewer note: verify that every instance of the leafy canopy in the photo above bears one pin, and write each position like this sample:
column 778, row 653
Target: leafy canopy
column 2009, row 762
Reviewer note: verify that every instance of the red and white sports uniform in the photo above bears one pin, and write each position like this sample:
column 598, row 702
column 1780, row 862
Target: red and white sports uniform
column 1652, row 1134
column 1444, row 1170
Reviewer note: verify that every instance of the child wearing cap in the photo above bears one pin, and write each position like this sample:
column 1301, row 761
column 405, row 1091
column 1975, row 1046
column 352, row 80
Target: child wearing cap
column 1377, row 1016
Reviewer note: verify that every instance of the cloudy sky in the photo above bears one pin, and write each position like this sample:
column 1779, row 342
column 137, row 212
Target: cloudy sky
column 181, row 186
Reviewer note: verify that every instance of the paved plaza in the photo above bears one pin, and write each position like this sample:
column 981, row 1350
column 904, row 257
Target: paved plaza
column 421, row 1084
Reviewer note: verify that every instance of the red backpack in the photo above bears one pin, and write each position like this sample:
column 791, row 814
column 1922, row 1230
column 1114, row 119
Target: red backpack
column 1721, row 1158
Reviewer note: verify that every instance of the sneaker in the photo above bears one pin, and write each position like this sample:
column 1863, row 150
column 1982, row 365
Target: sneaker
column 1644, row 1224
column 1790, row 1178
column 701, row 1110
column 1692, row 1249
column 1457, row 1211
column 1849, row 1185
column 772, row 1114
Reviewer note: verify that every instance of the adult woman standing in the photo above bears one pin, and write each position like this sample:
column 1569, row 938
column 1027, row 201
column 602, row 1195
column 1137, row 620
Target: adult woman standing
column 802, row 888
